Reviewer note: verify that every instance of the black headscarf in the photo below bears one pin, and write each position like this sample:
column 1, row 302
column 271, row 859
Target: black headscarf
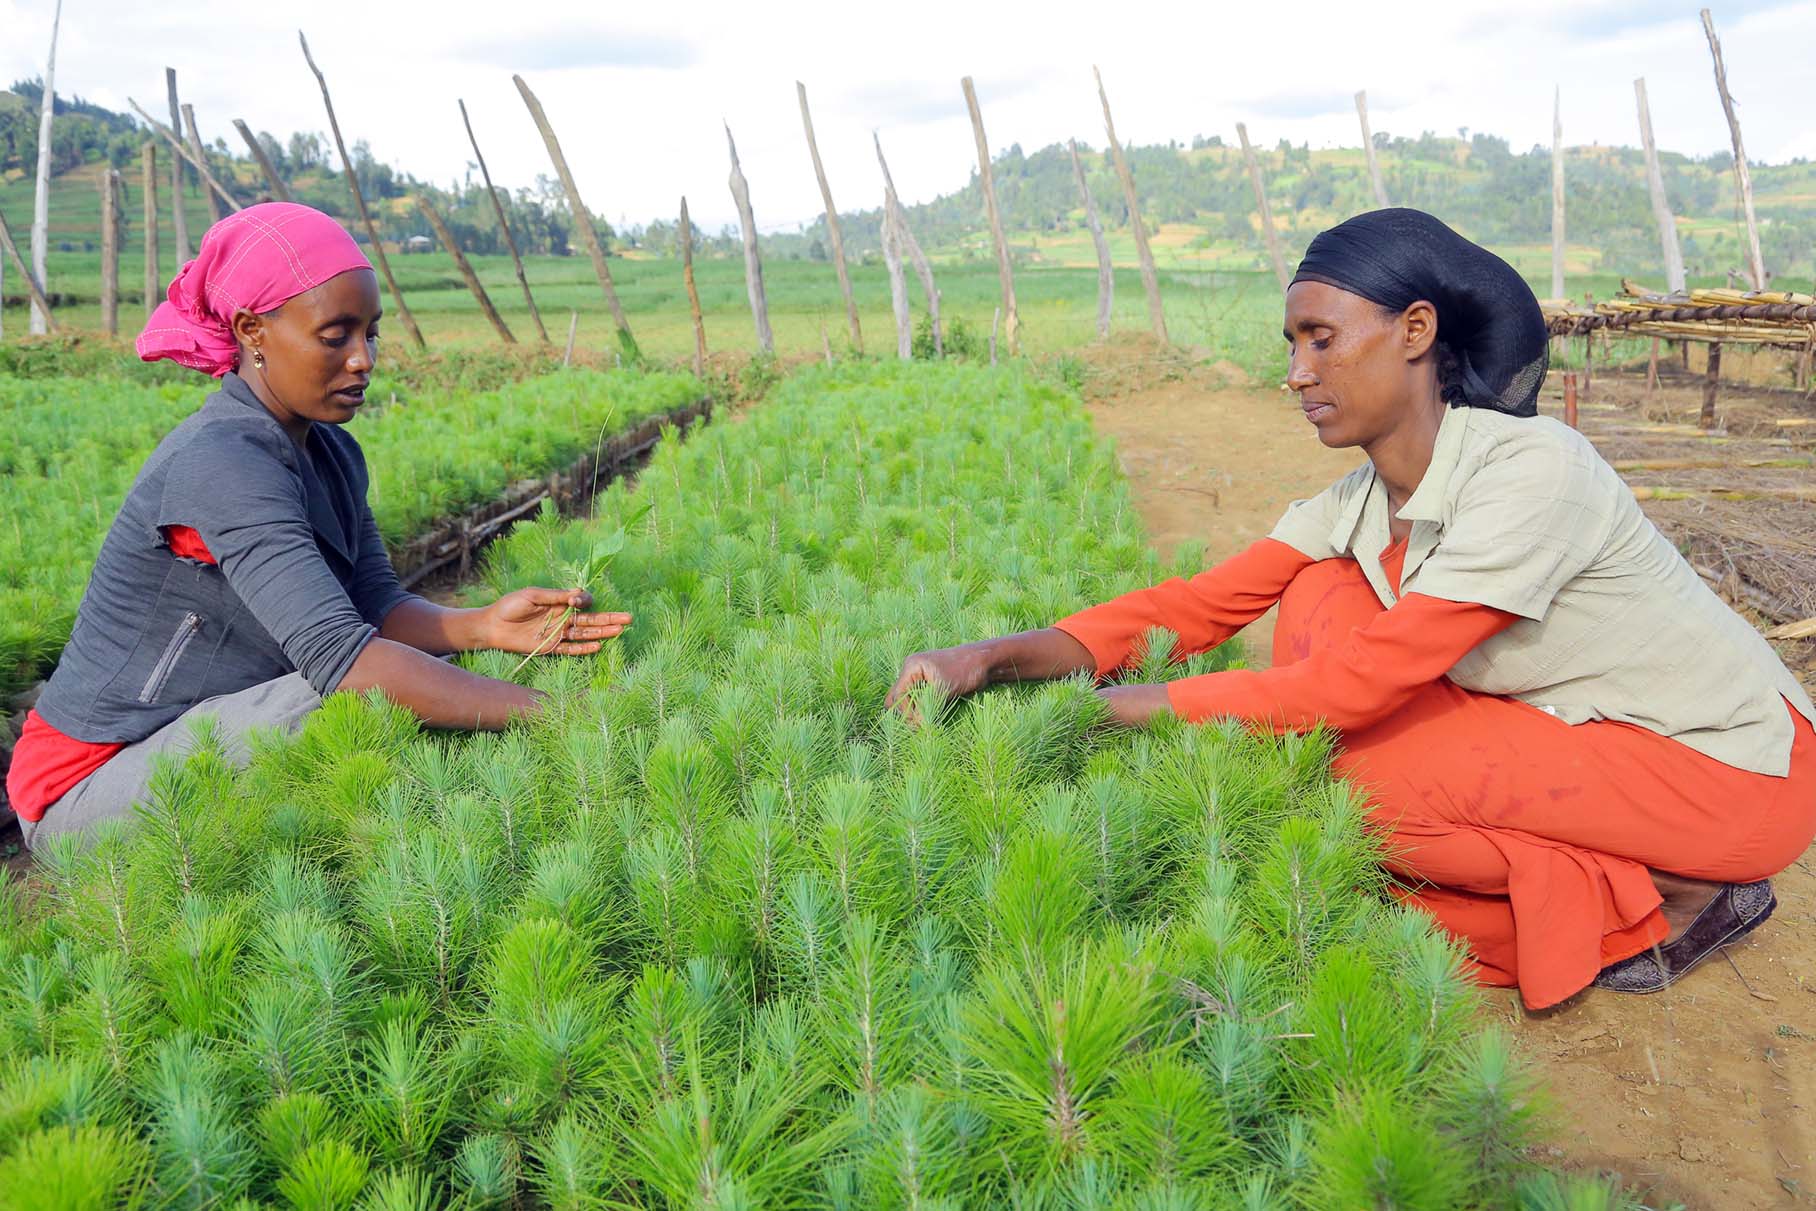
column 1487, row 315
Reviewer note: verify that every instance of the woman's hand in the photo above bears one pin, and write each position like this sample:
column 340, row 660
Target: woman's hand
column 539, row 621
column 956, row 671
column 1135, row 705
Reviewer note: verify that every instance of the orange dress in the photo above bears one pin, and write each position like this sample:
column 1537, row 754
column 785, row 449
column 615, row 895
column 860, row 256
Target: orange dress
column 1527, row 838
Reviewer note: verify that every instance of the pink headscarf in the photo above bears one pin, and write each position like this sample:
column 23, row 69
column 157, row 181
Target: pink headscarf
column 256, row 259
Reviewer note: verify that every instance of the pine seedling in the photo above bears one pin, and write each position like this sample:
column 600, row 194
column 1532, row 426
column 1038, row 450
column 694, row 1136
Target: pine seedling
column 686, row 794
column 1575, row 1192
column 565, row 883
column 808, row 933
column 796, row 754
column 1492, row 1109
column 89, row 1168
column 1036, row 904
column 111, row 1015
column 848, row 845
column 1163, row 1123
column 924, row 841
column 283, row 1038
column 910, row 1154
column 1302, row 896
column 201, row 1156
column 487, row 1170
column 98, row 894
column 1372, row 1150
column 863, row 1015
column 572, row 1165
column 291, row 1123
column 399, row 1190
column 579, row 574
column 1359, row 1037
column 1045, row 1045
column 666, row 898
column 401, row 1093
column 326, row 1176
column 194, row 965
column 758, row 857
column 655, row 1018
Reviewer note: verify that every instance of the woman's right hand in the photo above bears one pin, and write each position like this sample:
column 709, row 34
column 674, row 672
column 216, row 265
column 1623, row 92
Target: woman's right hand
column 957, row 671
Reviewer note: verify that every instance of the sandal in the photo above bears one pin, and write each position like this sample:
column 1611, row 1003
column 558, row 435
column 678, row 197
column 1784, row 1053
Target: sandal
column 1735, row 911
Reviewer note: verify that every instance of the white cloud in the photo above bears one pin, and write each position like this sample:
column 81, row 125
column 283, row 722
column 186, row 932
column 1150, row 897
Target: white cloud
column 638, row 100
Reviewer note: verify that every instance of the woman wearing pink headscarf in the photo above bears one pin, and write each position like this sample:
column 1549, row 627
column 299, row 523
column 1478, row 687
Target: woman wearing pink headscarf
column 243, row 578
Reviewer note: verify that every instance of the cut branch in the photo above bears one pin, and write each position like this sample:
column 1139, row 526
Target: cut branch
column 1106, row 276
column 907, row 244
column 194, row 137
column 1150, row 281
column 686, row 237
column 279, row 191
column 446, row 237
column 583, row 218
column 510, row 241
column 1742, row 174
column 1267, row 212
column 753, row 260
column 1368, row 145
column 1012, row 330
column 832, row 223
column 359, row 200
column 33, row 289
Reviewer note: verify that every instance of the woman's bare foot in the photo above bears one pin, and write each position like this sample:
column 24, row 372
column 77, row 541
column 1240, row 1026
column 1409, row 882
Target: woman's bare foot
column 1684, row 899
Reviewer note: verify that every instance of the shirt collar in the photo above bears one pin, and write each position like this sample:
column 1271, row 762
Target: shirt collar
column 1427, row 500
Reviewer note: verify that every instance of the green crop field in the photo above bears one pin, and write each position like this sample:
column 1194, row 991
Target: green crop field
column 716, row 932
column 74, row 445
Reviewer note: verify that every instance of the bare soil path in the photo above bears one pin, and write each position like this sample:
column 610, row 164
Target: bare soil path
column 1701, row 1095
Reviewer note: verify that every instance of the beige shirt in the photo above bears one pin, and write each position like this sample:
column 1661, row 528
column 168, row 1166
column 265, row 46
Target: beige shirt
column 1523, row 515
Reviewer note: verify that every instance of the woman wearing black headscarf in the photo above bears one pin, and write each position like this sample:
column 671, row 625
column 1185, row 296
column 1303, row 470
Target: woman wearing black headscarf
column 1580, row 761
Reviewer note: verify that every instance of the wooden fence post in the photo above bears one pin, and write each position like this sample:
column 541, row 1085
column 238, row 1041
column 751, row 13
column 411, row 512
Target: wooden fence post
column 1149, row 280
column 504, row 226
column 1661, row 206
column 906, row 243
column 1741, row 172
column 1368, row 145
column 359, row 200
column 753, row 260
column 110, row 253
column 34, row 291
column 583, row 218
column 279, row 191
column 988, row 182
column 1106, row 277
column 1267, row 212
column 181, row 150
column 194, row 137
column 1711, row 384
column 148, row 184
column 898, row 283
column 40, row 318
column 1652, row 368
column 832, row 223
column 1557, row 195
column 461, row 263
column 686, row 235
column 179, row 221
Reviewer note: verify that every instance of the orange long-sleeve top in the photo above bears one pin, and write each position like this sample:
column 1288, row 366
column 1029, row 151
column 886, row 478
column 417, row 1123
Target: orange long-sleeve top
column 1350, row 685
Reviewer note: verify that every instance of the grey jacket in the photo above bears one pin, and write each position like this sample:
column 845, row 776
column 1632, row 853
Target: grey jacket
column 301, row 582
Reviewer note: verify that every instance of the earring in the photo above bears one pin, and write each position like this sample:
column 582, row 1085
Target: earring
column 258, row 359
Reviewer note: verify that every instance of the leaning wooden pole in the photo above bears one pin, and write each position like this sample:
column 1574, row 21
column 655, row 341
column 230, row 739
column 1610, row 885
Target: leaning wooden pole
column 1742, row 173
column 1557, row 193
column 359, row 200
column 181, row 150
column 753, row 260
column 583, row 218
column 110, row 252
column 1368, row 146
column 279, row 191
column 686, row 237
column 1711, row 385
column 179, row 221
column 510, row 241
column 461, row 263
column 33, row 290
column 898, row 285
column 1655, row 186
column 148, row 185
column 40, row 319
column 194, row 137
column 1106, row 276
column 1267, row 213
column 1012, row 328
column 1150, row 281
column 911, row 248
column 832, row 223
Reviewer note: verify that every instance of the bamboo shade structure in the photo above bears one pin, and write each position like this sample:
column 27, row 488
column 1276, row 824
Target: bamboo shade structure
column 1760, row 317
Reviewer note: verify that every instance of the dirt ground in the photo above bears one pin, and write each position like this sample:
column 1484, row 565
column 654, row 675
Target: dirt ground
column 1700, row 1095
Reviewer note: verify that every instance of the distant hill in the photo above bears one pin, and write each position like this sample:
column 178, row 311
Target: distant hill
column 1196, row 199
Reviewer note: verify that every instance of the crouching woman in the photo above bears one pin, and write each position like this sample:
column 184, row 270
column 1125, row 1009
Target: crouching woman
column 244, row 577
column 1581, row 763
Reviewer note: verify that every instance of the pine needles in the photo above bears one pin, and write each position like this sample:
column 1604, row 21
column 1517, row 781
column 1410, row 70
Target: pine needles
column 715, row 932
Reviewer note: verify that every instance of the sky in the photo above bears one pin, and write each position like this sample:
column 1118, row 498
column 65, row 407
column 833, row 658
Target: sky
column 641, row 97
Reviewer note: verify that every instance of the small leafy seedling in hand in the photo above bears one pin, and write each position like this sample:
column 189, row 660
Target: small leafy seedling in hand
column 580, row 575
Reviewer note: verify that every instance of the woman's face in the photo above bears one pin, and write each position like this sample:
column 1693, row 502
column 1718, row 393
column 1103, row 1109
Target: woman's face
column 1355, row 365
column 318, row 349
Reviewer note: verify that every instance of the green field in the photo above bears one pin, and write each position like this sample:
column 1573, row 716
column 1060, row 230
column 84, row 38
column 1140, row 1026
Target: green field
column 716, row 932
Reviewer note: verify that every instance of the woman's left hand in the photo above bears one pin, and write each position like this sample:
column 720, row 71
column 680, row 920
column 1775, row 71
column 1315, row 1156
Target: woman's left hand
column 526, row 622
column 1135, row 705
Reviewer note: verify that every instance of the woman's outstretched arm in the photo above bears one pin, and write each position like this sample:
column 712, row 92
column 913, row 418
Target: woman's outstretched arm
column 438, row 693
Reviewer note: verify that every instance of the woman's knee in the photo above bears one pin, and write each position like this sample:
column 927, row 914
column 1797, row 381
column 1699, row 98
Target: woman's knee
column 1320, row 608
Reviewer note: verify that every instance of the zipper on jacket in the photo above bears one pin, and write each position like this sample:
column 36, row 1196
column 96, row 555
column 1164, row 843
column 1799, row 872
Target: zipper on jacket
column 173, row 652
